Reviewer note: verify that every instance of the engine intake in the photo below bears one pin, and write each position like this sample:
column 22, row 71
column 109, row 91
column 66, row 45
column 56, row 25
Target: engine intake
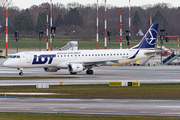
column 74, row 68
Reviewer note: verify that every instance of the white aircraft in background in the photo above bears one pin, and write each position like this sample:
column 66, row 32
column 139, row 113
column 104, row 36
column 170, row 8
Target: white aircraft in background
column 80, row 60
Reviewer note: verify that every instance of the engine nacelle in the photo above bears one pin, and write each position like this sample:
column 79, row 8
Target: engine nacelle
column 51, row 69
column 75, row 68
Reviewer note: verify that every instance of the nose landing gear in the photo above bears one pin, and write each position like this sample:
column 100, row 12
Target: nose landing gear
column 21, row 71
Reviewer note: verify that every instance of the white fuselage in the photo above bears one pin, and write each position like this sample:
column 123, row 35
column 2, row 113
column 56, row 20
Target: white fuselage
column 61, row 59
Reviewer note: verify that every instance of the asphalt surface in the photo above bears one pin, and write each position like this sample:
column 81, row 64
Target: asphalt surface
column 102, row 75
column 92, row 106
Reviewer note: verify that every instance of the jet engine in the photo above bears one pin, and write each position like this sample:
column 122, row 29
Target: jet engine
column 51, row 69
column 75, row 68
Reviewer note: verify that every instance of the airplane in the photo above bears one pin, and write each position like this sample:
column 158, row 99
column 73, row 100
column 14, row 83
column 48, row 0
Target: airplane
column 80, row 60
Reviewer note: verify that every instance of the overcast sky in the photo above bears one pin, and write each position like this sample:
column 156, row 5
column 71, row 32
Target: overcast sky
column 23, row 4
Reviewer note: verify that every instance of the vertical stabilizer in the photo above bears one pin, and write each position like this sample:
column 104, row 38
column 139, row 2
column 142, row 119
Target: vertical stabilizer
column 149, row 40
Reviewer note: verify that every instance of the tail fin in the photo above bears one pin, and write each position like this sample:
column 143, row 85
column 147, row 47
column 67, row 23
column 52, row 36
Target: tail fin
column 149, row 40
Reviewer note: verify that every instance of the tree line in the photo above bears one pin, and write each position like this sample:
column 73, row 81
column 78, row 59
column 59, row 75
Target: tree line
column 80, row 20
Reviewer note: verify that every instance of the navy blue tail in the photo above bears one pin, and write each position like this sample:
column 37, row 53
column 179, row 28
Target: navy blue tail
column 149, row 40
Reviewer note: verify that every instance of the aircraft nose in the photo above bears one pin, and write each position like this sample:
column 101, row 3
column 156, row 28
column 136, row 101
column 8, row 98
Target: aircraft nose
column 6, row 63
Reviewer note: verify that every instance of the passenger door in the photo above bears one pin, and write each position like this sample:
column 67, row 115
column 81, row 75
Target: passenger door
column 28, row 57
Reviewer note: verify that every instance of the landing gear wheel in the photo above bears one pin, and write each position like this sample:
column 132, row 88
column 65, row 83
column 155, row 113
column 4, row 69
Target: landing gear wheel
column 20, row 73
column 89, row 72
column 73, row 73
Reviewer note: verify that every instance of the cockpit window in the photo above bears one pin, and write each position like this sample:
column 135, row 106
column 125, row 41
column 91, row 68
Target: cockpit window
column 15, row 56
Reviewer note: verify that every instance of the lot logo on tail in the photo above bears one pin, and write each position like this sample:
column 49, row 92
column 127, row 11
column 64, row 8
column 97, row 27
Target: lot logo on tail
column 151, row 36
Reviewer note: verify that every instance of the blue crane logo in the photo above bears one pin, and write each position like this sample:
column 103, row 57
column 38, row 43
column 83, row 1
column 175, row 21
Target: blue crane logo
column 151, row 37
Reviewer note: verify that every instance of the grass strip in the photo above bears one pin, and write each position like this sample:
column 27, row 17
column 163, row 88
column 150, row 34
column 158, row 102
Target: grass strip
column 40, row 116
column 146, row 91
column 34, row 44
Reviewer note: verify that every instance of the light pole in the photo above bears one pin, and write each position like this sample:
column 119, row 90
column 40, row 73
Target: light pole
column 109, row 35
column 162, row 38
column 16, row 36
column 128, row 37
column 40, row 38
column 53, row 31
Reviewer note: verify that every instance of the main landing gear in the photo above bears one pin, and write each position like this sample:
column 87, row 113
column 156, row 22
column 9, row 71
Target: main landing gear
column 21, row 71
column 73, row 73
column 89, row 72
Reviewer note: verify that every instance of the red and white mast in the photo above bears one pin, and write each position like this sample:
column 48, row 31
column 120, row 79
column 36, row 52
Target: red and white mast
column 97, row 28
column 50, row 24
column 121, row 28
column 130, row 24
column 178, row 43
column 47, row 31
column 150, row 19
column 105, row 40
column 6, row 27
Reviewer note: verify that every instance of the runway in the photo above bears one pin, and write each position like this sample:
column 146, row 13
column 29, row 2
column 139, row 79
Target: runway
column 92, row 106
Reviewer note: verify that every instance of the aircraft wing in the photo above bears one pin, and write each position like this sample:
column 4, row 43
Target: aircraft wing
column 154, row 52
column 99, row 62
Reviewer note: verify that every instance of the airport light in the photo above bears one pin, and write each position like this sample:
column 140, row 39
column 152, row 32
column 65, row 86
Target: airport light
column 53, row 31
column 40, row 38
column 16, row 36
